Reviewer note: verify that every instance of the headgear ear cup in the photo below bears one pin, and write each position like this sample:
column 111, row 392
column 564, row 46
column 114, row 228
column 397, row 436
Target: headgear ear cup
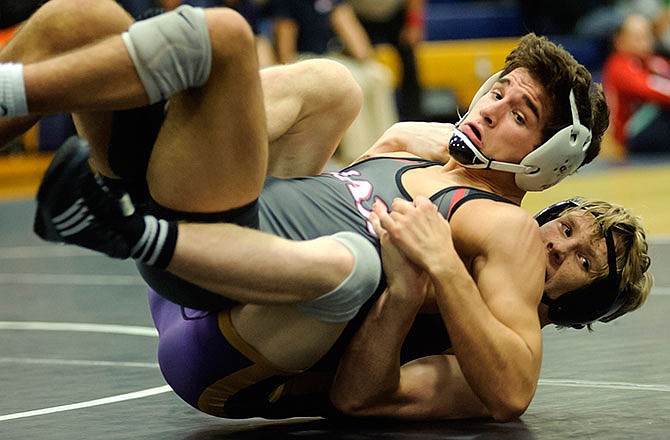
column 558, row 157
column 552, row 161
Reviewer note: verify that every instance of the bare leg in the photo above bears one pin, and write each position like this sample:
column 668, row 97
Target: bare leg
column 203, row 160
column 288, row 338
column 58, row 27
column 302, row 132
column 216, row 256
column 219, row 129
column 300, row 102
column 211, row 155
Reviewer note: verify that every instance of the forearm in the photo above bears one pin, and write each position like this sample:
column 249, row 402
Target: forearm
column 286, row 37
column 371, row 382
column 369, row 371
column 633, row 81
column 496, row 361
column 428, row 140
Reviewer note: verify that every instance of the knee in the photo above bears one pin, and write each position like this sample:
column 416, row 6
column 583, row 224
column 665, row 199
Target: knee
column 230, row 34
column 337, row 91
column 343, row 303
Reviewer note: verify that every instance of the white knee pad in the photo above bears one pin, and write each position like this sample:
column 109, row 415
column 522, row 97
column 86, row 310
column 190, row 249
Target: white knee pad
column 342, row 303
column 171, row 51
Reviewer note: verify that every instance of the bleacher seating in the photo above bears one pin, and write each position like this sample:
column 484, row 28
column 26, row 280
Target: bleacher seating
column 467, row 41
column 450, row 20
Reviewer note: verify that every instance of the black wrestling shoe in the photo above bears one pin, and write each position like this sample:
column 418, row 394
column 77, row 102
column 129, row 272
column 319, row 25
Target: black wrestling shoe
column 62, row 214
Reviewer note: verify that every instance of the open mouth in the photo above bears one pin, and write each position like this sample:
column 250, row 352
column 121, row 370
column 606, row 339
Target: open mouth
column 473, row 133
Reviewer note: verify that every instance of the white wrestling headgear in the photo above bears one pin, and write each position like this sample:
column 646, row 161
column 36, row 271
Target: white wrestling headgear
column 543, row 167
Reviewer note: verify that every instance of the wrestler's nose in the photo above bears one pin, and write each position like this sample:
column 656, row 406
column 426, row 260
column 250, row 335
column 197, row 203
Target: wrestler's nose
column 556, row 253
column 489, row 113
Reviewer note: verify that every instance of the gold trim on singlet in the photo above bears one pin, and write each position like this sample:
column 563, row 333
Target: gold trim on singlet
column 213, row 399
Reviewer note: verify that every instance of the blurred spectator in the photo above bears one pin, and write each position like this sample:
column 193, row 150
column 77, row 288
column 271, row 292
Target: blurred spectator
column 595, row 19
column 637, row 85
column 661, row 23
column 257, row 13
column 308, row 28
column 399, row 23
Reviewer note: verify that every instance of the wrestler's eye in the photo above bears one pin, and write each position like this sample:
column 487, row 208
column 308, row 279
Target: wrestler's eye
column 567, row 230
column 586, row 264
column 519, row 118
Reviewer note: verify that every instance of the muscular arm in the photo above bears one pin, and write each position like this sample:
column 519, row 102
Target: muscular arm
column 370, row 380
column 491, row 317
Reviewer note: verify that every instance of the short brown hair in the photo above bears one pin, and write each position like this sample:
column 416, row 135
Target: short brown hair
column 558, row 72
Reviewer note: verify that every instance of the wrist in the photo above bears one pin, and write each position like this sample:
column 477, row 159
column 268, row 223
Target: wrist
column 404, row 301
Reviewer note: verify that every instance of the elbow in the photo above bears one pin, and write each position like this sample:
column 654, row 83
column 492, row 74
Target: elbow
column 507, row 414
column 349, row 404
column 344, row 402
column 510, row 408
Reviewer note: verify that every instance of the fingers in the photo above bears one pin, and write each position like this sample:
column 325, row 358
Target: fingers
column 404, row 211
column 376, row 224
column 405, row 216
column 422, row 202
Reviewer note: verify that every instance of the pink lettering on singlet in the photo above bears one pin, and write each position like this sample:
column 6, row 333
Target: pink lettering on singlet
column 361, row 191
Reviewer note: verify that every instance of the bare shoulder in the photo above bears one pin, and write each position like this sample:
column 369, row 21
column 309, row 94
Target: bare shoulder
column 502, row 247
column 495, row 223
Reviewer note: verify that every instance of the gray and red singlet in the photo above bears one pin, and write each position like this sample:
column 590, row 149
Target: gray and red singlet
column 213, row 369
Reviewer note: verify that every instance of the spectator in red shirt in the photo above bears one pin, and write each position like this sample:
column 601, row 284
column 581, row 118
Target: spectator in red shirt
column 637, row 85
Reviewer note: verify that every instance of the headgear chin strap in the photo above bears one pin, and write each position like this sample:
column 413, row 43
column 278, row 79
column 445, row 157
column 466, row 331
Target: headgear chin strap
column 543, row 167
column 598, row 300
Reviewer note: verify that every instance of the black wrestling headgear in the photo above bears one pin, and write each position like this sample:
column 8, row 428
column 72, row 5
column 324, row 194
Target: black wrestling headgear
column 600, row 299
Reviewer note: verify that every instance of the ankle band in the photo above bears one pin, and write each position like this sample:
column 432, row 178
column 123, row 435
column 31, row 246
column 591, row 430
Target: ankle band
column 13, row 100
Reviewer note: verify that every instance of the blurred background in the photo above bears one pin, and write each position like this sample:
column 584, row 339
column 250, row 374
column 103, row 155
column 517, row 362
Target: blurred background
column 424, row 60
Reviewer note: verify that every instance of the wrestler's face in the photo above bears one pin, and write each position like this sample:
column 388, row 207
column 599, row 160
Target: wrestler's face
column 574, row 258
column 506, row 123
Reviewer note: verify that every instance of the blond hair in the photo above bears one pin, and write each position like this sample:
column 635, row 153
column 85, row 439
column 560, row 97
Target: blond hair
column 632, row 257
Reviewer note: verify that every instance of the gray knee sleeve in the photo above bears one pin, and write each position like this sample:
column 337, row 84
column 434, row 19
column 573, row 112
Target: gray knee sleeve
column 342, row 303
column 171, row 51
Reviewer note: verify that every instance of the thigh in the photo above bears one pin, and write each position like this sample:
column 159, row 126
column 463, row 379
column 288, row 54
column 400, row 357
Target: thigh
column 284, row 335
column 211, row 153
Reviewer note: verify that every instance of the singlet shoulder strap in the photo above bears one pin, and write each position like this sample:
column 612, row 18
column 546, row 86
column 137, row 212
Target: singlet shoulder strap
column 450, row 199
